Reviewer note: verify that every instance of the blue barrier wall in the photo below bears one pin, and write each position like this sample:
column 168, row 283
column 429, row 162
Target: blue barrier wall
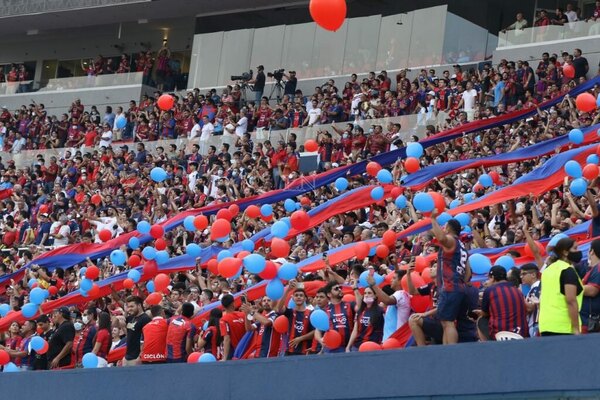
column 535, row 368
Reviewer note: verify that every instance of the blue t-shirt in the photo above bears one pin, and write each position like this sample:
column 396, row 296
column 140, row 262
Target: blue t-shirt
column 498, row 93
column 44, row 228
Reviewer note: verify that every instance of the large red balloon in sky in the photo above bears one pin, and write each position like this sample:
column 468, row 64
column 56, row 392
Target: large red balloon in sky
column 328, row 14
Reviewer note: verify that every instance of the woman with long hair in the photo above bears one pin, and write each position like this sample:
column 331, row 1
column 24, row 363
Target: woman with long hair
column 102, row 341
column 368, row 324
column 210, row 341
column 590, row 309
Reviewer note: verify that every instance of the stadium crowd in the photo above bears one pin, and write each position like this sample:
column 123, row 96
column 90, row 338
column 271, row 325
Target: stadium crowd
column 96, row 188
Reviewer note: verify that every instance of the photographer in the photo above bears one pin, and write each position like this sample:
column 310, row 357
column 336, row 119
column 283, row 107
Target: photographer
column 259, row 83
column 290, row 85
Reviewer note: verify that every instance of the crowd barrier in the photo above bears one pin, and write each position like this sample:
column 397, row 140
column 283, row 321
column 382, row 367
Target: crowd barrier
column 571, row 30
column 553, row 367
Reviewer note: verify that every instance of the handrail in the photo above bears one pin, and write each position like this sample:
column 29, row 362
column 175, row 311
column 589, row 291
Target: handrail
column 570, row 30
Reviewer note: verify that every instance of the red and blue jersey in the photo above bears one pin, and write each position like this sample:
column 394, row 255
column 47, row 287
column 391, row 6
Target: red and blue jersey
column 370, row 325
column 341, row 318
column 83, row 342
column 505, row 305
column 299, row 325
column 180, row 329
column 451, row 268
column 267, row 340
column 211, row 339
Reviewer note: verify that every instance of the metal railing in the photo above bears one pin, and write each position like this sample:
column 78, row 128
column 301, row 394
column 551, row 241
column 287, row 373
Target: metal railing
column 570, row 30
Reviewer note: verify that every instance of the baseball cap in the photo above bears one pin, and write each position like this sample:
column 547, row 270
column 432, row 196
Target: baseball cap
column 431, row 93
column 64, row 311
column 498, row 273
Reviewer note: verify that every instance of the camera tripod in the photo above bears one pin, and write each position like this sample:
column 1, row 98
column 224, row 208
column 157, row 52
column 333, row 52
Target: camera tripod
column 277, row 90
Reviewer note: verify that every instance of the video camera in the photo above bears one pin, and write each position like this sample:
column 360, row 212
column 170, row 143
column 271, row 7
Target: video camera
column 277, row 74
column 246, row 76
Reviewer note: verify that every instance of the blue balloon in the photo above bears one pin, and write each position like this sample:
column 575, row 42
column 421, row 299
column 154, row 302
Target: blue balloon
column 134, row 243
column 468, row 197
column 480, row 264
column 162, row 256
column 505, row 261
column 377, row 193
column 414, row 149
column 248, row 245
column 150, row 286
column 37, row 296
column 400, row 201
column 86, row 284
column 578, row 187
column 254, row 263
column 82, row 271
column 525, row 289
column 320, row 320
column 598, row 104
column 593, row 159
column 274, row 289
column 384, row 176
column 4, row 309
column 341, row 184
column 573, row 169
column 289, row 205
column 454, row 203
column 143, row 227
column 31, row 282
column 223, row 254
column 466, row 229
column 205, row 326
column 486, row 180
column 11, row 367
column 423, row 202
column 121, row 122
column 463, row 218
column 288, row 221
column 157, row 174
column 206, row 358
column 291, row 303
column 149, row 253
column 266, row 210
column 89, row 360
column 555, row 239
column 443, row 218
column 287, row 271
column 280, row 229
column 362, row 279
column 29, row 310
column 37, row 343
column 134, row 275
column 193, row 250
column 188, row 223
column 118, row 257
column 223, row 239
column 576, row 136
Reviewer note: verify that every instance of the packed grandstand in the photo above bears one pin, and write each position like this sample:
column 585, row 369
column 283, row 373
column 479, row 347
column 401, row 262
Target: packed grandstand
column 132, row 248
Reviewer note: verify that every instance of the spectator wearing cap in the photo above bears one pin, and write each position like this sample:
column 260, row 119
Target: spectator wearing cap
column 232, row 326
column 61, row 341
column 136, row 320
column 530, row 276
column 590, row 309
column 502, row 307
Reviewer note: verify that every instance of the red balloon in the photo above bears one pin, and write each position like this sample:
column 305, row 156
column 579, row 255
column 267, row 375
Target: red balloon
column 369, row 346
column 154, row 298
column 94, row 291
column 568, row 71
column 529, row 253
column 128, row 283
column 224, row 213
column 396, row 191
column 44, row 348
column 220, row 228
column 373, row 168
column 305, row 201
column 165, row 102
column 234, row 209
column 391, row 343
column 213, row 266
column 92, row 272
column 332, row 339
column 267, row 218
column 411, row 164
column 585, row 102
column 420, row 303
column 105, row 235
column 53, row 290
column 201, row 222
column 328, row 14
column 311, row 145
column 280, row 247
column 160, row 244
column 242, row 254
column 426, row 275
column 438, row 201
column 389, row 238
column 349, row 298
column 300, row 220
column 281, row 324
column 591, row 171
column 193, row 357
column 150, row 269
column 229, row 267
column 157, row 231
column 416, row 278
column 421, row 263
column 495, row 177
column 96, row 199
column 134, row 261
column 161, row 281
column 4, row 357
column 270, row 271
column 361, row 250
column 478, row 187
column 382, row 251
column 598, row 147
column 43, row 208
column 253, row 211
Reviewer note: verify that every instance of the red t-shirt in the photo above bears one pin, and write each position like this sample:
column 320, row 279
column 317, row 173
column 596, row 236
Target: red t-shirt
column 155, row 341
column 103, row 337
column 232, row 324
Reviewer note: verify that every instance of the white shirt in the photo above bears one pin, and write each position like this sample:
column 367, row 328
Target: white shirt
column 207, row 130
column 402, row 307
column 18, row 145
column 314, row 114
column 469, row 97
column 192, row 178
column 105, row 223
column 106, row 139
column 63, row 230
column 195, row 132
column 241, row 127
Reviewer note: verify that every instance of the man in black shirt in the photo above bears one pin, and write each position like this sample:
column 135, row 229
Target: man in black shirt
column 136, row 321
column 259, row 83
column 40, row 361
column 61, row 341
column 580, row 64
column 290, row 85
